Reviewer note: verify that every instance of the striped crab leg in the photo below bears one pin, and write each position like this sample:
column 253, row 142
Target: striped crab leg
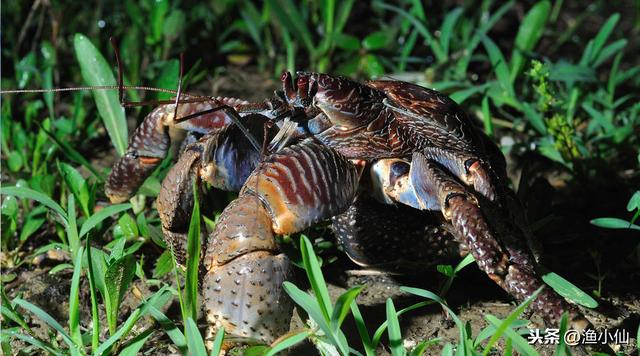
column 291, row 190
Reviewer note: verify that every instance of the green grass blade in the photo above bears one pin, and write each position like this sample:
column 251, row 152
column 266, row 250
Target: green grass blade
column 499, row 65
column 569, row 290
column 518, row 341
column 95, row 72
column 291, row 18
column 74, row 295
column 174, row 333
column 288, row 342
column 501, row 328
column 120, row 333
column 194, row 339
column 395, row 337
column 44, row 316
column 602, row 36
column 341, row 309
column 35, row 342
column 529, row 34
column 314, row 273
column 448, row 25
column 309, row 304
column 216, row 349
column 193, row 258
column 26, row 193
column 133, row 347
column 101, row 215
column 369, row 349
column 95, row 317
column 380, row 330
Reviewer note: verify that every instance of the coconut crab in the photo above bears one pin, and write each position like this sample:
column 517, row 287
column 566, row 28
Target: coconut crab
column 399, row 169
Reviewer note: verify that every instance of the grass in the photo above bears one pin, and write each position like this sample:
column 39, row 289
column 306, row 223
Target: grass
column 551, row 90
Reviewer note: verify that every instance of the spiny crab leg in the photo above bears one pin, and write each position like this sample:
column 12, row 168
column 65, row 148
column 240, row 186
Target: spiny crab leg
column 497, row 245
column 289, row 191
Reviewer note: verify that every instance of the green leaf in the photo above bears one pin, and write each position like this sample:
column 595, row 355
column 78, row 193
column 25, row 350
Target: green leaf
column 634, row 202
column 33, row 341
column 101, row 215
column 133, row 347
column 505, row 325
column 96, row 72
column 216, row 349
column 26, row 193
column 194, row 339
column 168, row 78
column 369, row 348
column 447, row 28
column 308, row 304
column 600, row 39
column 74, row 302
column 77, row 184
column 314, row 273
column 614, row 223
column 568, row 290
column 127, row 227
column 395, row 337
column 372, row 66
column 287, row 342
column 499, row 65
column 164, row 264
column 173, row 24
column 518, row 341
column 44, row 316
column 341, row 309
column 14, row 161
column 170, row 328
column 529, row 34
column 347, row 42
column 118, row 276
column 376, row 40
column 193, row 257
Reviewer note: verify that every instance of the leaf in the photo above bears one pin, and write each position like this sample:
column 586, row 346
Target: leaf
column 287, row 342
column 634, row 202
column 499, row 65
column 614, row 223
column 14, row 161
column 96, row 72
column 74, row 294
column 369, row 348
column 164, row 264
column 395, row 338
column 341, row 309
column 33, row 341
column 44, row 316
column 194, row 339
column 216, row 349
column 133, row 347
column 347, row 42
column 117, row 278
column 372, row 66
column 529, row 34
column 505, row 325
column 376, row 40
column 193, row 257
column 308, row 304
column 26, row 193
column 568, row 290
column 447, row 28
column 77, row 184
column 126, row 228
column 519, row 342
column 101, row 215
column 314, row 273
column 170, row 328
column 602, row 37
column 168, row 78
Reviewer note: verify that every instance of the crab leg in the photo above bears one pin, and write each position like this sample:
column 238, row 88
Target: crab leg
column 157, row 134
column 504, row 260
column 291, row 190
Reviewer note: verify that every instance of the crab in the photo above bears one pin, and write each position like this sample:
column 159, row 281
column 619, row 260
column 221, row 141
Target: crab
column 400, row 170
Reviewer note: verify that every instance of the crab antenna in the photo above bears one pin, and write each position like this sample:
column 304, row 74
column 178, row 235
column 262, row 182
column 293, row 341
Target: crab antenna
column 175, row 109
column 116, row 50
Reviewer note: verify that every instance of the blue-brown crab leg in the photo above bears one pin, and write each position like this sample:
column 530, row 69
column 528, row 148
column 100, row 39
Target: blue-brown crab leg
column 498, row 246
column 223, row 159
column 288, row 192
column 159, row 132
